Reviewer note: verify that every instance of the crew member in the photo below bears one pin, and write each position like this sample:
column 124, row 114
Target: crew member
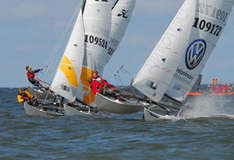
column 31, row 76
column 98, row 84
column 24, row 96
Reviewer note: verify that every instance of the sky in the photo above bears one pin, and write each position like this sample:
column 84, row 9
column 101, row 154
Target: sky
column 35, row 33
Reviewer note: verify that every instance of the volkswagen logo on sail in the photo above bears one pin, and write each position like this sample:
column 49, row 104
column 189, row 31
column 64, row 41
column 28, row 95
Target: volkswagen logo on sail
column 195, row 52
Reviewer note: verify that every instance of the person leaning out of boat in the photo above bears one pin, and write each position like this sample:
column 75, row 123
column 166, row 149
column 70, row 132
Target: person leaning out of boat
column 99, row 85
column 25, row 96
column 31, row 76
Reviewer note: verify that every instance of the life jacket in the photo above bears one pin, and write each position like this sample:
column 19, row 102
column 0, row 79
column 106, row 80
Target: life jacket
column 24, row 96
column 97, row 84
column 30, row 75
column 29, row 95
column 100, row 82
column 20, row 98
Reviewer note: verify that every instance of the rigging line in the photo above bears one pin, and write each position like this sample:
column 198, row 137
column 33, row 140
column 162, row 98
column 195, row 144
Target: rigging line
column 118, row 78
column 120, row 71
column 52, row 63
column 122, row 68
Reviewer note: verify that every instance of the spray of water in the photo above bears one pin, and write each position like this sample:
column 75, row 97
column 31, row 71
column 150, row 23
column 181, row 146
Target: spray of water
column 206, row 106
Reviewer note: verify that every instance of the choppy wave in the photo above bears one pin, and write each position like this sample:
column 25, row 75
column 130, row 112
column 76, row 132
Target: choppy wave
column 115, row 137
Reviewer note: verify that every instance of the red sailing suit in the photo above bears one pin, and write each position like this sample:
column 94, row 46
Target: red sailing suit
column 98, row 83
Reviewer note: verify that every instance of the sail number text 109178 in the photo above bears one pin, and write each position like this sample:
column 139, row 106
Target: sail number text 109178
column 207, row 26
column 96, row 41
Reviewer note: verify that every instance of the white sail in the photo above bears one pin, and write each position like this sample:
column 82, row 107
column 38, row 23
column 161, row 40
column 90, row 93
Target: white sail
column 209, row 19
column 121, row 15
column 155, row 76
column 97, row 22
column 66, row 80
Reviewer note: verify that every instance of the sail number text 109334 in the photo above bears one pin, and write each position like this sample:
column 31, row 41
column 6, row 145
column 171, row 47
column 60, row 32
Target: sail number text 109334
column 207, row 26
column 96, row 41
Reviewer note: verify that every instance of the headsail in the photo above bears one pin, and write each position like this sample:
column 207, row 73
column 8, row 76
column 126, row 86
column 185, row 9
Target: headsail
column 121, row 15
column 66, row 80
column 209, row 19
column 155, row 76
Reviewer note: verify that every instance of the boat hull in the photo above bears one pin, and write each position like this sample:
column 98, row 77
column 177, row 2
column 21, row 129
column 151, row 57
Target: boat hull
column 151, row 116
column 109, row 105
column 35, row 111
column 154, row 113
column 71, row 111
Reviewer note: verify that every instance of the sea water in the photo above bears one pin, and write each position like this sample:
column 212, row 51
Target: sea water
column 204, row 132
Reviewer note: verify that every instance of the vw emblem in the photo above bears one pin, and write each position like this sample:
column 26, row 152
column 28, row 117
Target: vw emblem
column 195, row 52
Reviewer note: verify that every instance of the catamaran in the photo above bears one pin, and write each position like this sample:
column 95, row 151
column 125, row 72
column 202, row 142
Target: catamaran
column 111, row 29
column 96, row 34
column 181, row 54
column 65, row 82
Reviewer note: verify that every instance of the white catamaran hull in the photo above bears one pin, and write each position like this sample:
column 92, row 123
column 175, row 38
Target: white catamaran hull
column 109, row 105
column 71, row 111
column 151, row 116
column 155, row 113
column 35, row 111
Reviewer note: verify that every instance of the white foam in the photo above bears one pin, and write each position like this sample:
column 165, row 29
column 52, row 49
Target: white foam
column 203, row 107
column 207, row 106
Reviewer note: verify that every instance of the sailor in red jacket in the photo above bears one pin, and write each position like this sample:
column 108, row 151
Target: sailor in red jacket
column 97, row 83
column 31, row 76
